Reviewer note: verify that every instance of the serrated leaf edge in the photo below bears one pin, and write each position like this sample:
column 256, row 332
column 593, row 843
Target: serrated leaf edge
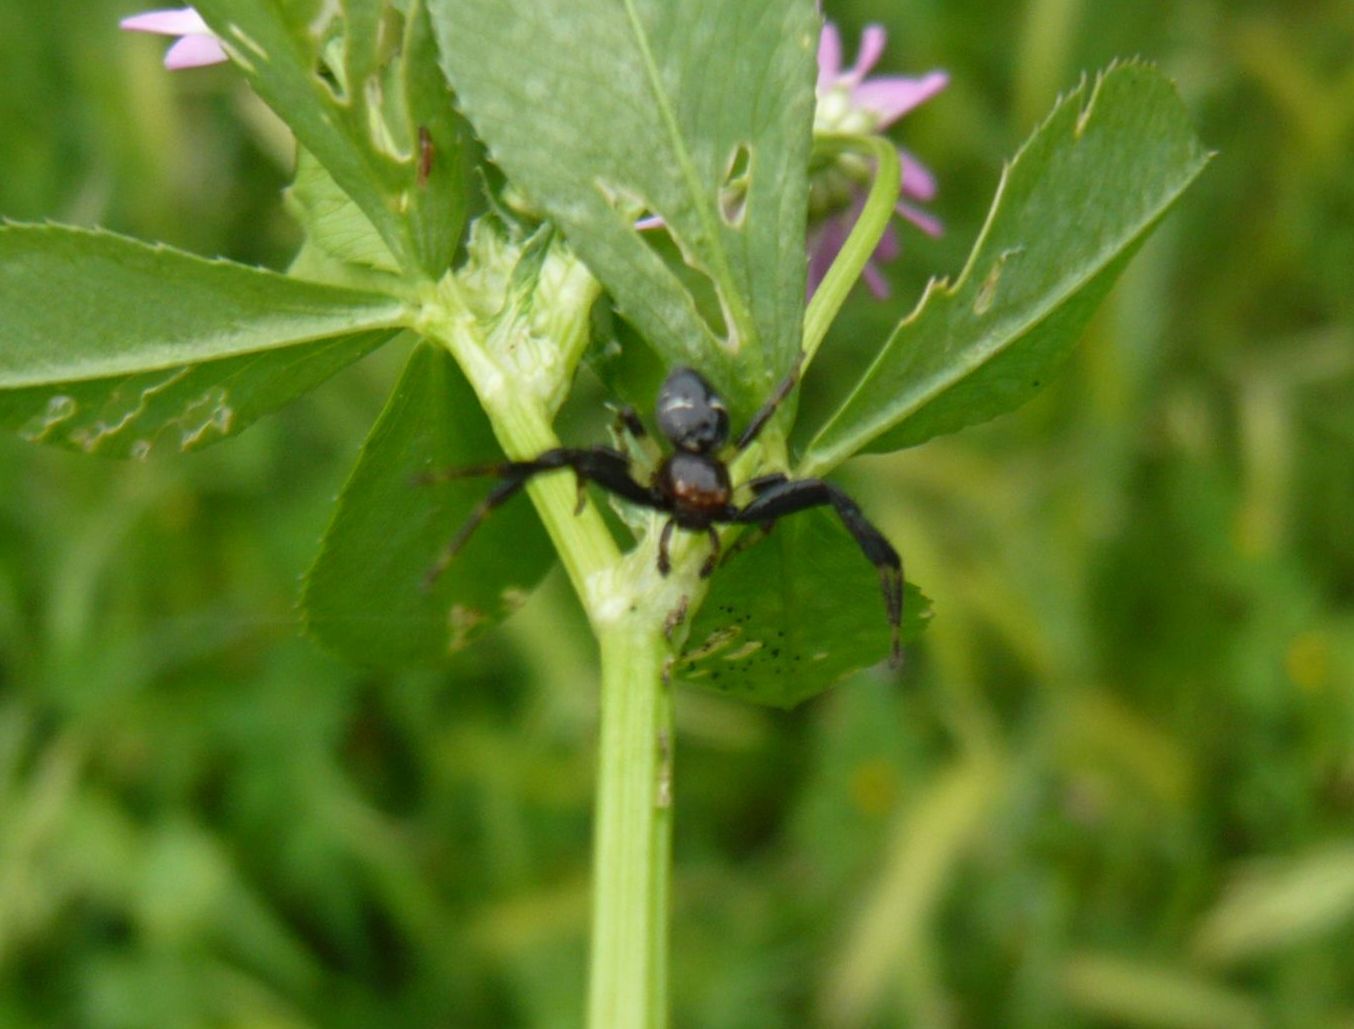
column 817, row 462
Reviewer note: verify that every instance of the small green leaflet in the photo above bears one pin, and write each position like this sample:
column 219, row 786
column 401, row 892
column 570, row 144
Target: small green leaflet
column 78, row 304
column 332, row 222
column 357, row 82
column 365, row 596
column 792, row 614
column 701, row 111
column 185, row 408
column 1072, row 208
column 111, row 346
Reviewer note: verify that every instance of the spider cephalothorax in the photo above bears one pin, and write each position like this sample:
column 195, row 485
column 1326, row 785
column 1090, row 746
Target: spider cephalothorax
column 692, row 484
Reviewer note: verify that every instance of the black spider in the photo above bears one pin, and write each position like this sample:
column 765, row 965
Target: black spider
column 692, row 484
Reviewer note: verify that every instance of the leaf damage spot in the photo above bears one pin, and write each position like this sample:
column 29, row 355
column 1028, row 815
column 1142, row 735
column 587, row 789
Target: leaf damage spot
column 715, row 642
column 91, row 437
column 220, row 416
column 462, row 622
column 384, row 135
column 987, row 292
column 701, row 290
column 427, row 154
column 733, row 191
column 746, row 650
column 625, row 202
column 60, row 408
column 513, row 599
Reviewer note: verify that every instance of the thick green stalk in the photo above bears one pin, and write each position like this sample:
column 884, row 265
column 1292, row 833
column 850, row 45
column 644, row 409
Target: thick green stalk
column 627, row 605
column 631, row 856
column 632, row 813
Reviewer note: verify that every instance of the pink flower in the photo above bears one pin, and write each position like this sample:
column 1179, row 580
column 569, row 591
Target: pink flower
column 852, row 104
column 197, row 44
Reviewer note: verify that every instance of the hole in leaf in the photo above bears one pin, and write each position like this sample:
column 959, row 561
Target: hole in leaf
column 667, row 246
column 733, row 191
column 693, row 278
column 331, row 55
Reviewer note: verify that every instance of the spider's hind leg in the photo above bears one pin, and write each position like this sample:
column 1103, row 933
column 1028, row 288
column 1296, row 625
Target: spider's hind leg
column 499, row 495
column 788, row 496
column 609, row 468
column 758, row 486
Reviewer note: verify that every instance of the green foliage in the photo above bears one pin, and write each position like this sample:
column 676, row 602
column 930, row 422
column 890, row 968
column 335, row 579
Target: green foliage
column 1072, row 208
column 112, row 345
column 698, row 112
column 793, row 614
column 357, row 82
column 1143, row 628
column 1140, row 994
column 83, row 305
column 367, row 597
column 1279, row 905
column 334, row 225
column 185, row 407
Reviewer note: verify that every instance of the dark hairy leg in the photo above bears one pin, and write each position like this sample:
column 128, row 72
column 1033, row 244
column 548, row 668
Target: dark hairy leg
column 707, row 569
column 628, row 421
column 609, row 468
column 792, row 495
column 665, row 538
column 768, row 409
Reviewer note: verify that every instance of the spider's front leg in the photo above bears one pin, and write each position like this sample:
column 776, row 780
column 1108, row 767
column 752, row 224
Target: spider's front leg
column 665, row 540
column 609, row 468
column 777, row 497
column 772, row 405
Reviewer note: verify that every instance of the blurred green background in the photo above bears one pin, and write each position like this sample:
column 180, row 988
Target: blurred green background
column 1116, row 786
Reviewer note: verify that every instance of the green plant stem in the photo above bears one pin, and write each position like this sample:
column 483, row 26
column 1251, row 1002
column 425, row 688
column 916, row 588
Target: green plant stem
column 631, row 854
column 865, row 234
column 632, row 816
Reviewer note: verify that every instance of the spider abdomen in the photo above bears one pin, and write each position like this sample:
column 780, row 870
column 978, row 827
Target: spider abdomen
column 697, row 486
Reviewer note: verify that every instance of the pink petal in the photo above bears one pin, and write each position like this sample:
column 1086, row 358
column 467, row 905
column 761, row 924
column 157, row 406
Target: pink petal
column 874, row 278
column 929, row 224
column 194, row 52
column 888, row 248
column 652, row 221
column 871, row 48
column 892, row 96
column 918, row 181
column 823, row 248
column 183, row 21
column 829, row 56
